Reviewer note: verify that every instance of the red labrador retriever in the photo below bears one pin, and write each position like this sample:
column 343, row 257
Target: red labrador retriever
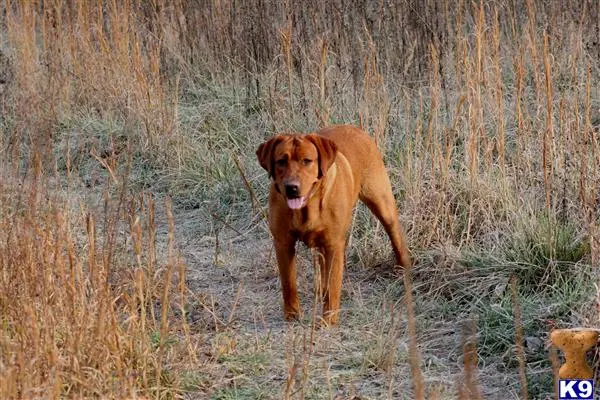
column 316, row 180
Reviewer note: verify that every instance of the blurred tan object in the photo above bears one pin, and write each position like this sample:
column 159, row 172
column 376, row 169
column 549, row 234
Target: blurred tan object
column 575, row 343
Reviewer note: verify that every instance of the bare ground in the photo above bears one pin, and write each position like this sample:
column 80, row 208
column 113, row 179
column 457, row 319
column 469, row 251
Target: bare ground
column 251, row 352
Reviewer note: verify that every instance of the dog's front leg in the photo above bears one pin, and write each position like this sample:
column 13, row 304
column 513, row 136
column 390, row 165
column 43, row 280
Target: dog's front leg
column 332, row 272
column 286, row 261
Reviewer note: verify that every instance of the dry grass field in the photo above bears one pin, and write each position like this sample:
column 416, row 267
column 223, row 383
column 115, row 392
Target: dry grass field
column 135, row 259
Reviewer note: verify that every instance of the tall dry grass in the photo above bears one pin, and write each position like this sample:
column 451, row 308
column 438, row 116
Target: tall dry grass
column 79, row 317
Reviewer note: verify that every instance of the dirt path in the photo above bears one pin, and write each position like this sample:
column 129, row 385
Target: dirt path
column 255, row 354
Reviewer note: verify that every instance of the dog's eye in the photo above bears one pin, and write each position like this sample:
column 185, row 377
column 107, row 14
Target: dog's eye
column 281, row 162
column 307, row 161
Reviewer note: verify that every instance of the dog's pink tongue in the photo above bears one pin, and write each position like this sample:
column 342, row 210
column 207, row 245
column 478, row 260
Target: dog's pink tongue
column 296, row 203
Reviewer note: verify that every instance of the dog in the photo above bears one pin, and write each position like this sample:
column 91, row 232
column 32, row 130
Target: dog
column 316, row 180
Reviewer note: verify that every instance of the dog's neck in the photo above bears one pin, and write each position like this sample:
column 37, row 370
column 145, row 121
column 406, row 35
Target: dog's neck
column 329, row 179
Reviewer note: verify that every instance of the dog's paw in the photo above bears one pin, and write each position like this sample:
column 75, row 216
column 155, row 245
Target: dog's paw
column 292, row 315
column 329, row 320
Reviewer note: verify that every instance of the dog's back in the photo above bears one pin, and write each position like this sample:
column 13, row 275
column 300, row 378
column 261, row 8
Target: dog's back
column 359, row 149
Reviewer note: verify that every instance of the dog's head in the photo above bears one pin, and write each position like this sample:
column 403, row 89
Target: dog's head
column 296, row 163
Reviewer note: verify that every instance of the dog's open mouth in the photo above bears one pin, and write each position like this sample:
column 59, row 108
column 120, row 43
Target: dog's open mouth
column 296, row 203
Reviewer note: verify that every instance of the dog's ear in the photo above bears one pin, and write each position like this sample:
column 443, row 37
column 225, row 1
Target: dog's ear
column 265, row 153
column 327, row 151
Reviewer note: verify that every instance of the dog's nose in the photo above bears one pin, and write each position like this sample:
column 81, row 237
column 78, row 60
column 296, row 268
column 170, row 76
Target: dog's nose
column 292, row 190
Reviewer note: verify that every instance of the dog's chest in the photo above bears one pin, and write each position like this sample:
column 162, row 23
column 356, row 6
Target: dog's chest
column 312, row 238
column 307, row 228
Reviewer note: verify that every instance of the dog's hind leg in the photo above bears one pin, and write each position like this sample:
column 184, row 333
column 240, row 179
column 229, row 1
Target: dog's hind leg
column 377, row 195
